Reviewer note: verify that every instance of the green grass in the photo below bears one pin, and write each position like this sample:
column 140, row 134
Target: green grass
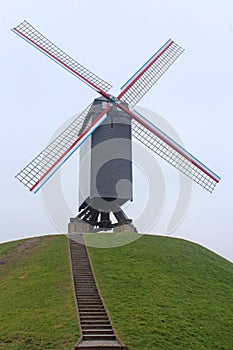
column 166, row 293
column 37, row 308
column 162, row 293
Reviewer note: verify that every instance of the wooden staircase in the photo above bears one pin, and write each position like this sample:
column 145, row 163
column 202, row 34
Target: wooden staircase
column 95, row 324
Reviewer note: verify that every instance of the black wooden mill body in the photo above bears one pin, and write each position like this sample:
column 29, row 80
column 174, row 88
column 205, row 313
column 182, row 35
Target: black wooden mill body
column 105, row 176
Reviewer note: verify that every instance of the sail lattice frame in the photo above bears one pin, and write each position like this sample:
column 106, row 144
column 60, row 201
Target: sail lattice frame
column 26, row 31
column 40, row 165
column 168, row 149
column 140, row 83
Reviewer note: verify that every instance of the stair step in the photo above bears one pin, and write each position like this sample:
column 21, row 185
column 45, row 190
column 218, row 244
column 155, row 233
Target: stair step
column 93, row 312
column 95, row 322
column 92, row 307
column 96, row 326
column 98, row 311
column 90, row 313
column 89, row 317
column 82, row 289
column 95, row 346
column 85, row 276
column 90, row 301
column 87, row 283
column 102, row 331
column 87, row 287
column 88, row 294
column 83, row 284
column 99, row 337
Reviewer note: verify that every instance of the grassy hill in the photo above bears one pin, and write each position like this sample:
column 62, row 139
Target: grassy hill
column 37, row 307
column 162, row 293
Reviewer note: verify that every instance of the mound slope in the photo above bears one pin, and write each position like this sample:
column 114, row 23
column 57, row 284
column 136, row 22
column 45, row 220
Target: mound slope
column 167, row 293
column 36, row 295
column 162, row 293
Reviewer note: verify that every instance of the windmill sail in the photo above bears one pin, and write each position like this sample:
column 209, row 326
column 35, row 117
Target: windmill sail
column 138, row 85
column 168, row 149
column 26, row 31
column 36, row 173
column 43, row 166
column 151, row 136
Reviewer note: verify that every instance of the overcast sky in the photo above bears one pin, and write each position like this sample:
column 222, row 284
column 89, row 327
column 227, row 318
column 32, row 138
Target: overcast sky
column 113, row 39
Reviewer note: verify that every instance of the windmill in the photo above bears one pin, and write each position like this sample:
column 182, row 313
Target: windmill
column 107, row 120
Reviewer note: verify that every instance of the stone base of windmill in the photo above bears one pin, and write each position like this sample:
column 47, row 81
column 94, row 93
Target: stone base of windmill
column 78, row 226
column 125, row 228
